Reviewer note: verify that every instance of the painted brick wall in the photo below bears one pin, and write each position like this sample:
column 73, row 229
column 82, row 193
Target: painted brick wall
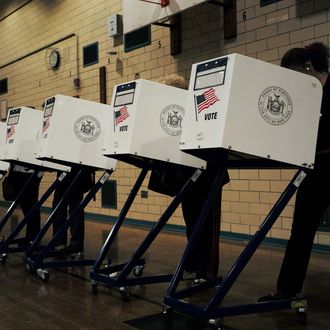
column 265, row 33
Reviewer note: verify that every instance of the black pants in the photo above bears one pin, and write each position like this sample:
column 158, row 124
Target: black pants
column 204, row 257
column 28, row 200
column 311, row 203
column 77, row 228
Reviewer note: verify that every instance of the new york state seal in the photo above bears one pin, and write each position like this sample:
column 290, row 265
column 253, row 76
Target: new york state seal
column 87, row 128
column 275, row 105
column 171, row 119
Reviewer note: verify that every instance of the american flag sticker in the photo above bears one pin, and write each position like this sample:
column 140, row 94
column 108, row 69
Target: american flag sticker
column 121, row 115
column 206, row 99
column 10, row 131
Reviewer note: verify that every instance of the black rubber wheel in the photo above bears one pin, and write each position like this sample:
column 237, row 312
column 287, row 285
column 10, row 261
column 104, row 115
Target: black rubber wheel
column 138, row 271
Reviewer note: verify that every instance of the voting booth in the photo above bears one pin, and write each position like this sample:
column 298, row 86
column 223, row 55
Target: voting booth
column 147, row 124
column 4, row 166
column 22, row 134
column 73, row 132
column 256, row 113
column 253, row 109
column 148, row 119
column 20, row 139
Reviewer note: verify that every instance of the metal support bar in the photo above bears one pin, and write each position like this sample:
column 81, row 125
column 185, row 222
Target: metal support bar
column 126, row 268
column 114, row 231
column 197, row 230
column 254, row 243
column 14, row 204
column 50, row 219
column 158, row 226
column 10, row 239
column 47, row 251
column 212, row 309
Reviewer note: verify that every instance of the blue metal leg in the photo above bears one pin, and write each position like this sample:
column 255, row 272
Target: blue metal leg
column 212, row 309
column 196, row 232
column 4, row 245
column 122, row 279
column 14, row 204
column 49, row 248
column 28, row 257
column 114, row 231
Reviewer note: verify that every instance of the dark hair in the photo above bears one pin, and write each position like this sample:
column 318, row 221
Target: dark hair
column 317, row 53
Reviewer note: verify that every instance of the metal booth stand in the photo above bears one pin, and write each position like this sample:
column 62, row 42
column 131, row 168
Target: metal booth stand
column 270, row 122
column 20, row 135
column 146, row 134
column 72, row 135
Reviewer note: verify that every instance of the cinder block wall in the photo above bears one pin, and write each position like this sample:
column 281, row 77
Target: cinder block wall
column 263, row 32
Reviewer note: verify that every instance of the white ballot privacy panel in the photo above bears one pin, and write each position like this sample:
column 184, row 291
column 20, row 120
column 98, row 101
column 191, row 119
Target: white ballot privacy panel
column 252, row 108
column 148, row 118
column 21, row 138
column 73, row 131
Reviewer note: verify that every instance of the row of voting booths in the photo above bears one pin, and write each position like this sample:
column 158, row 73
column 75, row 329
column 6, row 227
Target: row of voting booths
column 243, row 112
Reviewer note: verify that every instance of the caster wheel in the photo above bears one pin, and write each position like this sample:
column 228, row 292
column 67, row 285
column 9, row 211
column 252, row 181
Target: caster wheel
column 217, row 323
column 138, row 270
column 125, row 294
column 94, row 288
column 302, row 315
column 167, row 309
column 3, row 258
column 43, row 274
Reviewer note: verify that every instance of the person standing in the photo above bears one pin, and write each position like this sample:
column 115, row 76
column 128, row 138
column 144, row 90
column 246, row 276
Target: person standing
column 202, row 263
column 77, row 227
column 311, row 201
column 20, row 176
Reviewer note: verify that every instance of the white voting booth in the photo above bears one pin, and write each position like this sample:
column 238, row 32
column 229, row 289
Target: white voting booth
column 252, row 108
column 146, row 131
column 21, row 136
column 72, row 134
column 4, row 166
column 73, row 131
column 21, row 139
column 148, row 118
column 260, row 113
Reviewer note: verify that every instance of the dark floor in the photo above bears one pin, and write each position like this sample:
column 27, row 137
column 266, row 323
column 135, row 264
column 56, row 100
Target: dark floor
column 66, row 300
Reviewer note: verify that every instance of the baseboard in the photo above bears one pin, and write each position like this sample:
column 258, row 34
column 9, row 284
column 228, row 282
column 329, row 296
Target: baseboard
column 268, row 241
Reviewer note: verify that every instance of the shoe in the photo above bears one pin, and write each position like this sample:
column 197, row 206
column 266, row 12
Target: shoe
column 24, row 242
column 189, row 275
column 276, row 295
column 198, row 281
column 60, row 247
column 73, row 249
